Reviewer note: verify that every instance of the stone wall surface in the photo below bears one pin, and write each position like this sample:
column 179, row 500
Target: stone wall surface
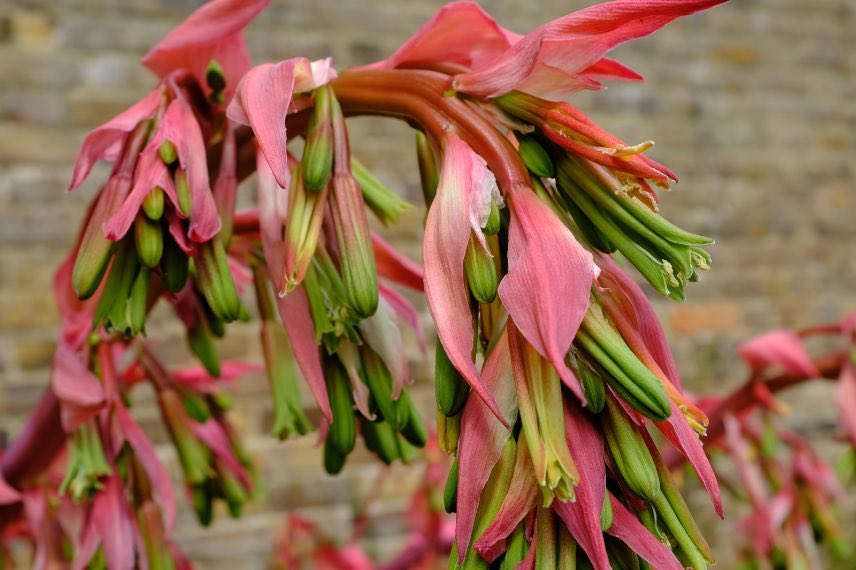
column 752, row 104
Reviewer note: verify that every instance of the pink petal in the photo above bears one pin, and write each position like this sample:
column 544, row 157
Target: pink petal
column 394, row 266
column 781, row 348
column 297, row 320
column 405, row 311
column 447, row 232
column 263, row 99
column 212, row 434
column 546, row 291
column 582, row 516
column 607, row 68
column 198, row 378
column 214, row 31
column 482, row 438
column 521, row 499
column 574, row 42
column 79, row 391
column 112, row 521
column 460, row 33
column 845, row 398
column 150, row 172
column 678, row 431
column 98, row 143
column 273, row 207
column 627, row 528
column 161, row 483
column 179, row 126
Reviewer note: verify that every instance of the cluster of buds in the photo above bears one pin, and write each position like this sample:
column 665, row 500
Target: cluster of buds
column 551, row 368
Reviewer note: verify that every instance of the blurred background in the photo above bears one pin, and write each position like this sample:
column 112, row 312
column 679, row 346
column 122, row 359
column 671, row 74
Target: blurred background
column 752, row 104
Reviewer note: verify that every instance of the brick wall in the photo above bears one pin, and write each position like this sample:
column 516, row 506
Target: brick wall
column 752, row 104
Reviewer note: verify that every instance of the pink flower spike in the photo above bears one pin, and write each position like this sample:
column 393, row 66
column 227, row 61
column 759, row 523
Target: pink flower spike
column 180, row 127
column 482, row 438
column 79, row 391
column 582, row 516
column 263, row 99
column 627, row 528
column 112, row 522
column 395, row 266
column 103, row 141
column 297, row 320
column 781, row 348
column 454, row 214
column 214, row 31
column 460, row 33
column 161, row 483
column 571, row 44
column 546, row 291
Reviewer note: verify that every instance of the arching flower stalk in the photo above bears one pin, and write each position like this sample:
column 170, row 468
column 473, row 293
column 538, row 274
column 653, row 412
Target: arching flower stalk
column 551, row 366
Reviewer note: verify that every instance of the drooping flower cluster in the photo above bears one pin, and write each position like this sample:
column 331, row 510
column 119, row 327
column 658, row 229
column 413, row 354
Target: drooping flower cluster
column 551, row 367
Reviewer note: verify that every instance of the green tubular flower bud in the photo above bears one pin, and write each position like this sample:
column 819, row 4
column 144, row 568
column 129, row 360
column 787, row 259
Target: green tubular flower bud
column 450, row 388
column 636, row 384
column 118, row 284
column 201, row 344
column 671, row 521
column 289, row 417
column 317, row 162
column 606, row 514
column 137, row 302
column 356, row 253
column 334, row 460
column 93, row 254
column 376, row 376
column 629, row 453
column 494, row 220
column 343, row 430
column 174, row 266
column 193, row 455
column 153, row 203
column 168, row 153
column 380, row 439
column 406, row 451
column 383, row 202
column 593, row 386
column 151, row 527
column 414, row 428
column 149, row 240
column 182, row 191
column 429, row 168
column 536, row 158
column 214, row 279
column 516, row 549
column 590, row 232
column 195, row 407
column 480, row 271
column 450, row 491
column 233, row 491
column 677, row 517
column 202, row 497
